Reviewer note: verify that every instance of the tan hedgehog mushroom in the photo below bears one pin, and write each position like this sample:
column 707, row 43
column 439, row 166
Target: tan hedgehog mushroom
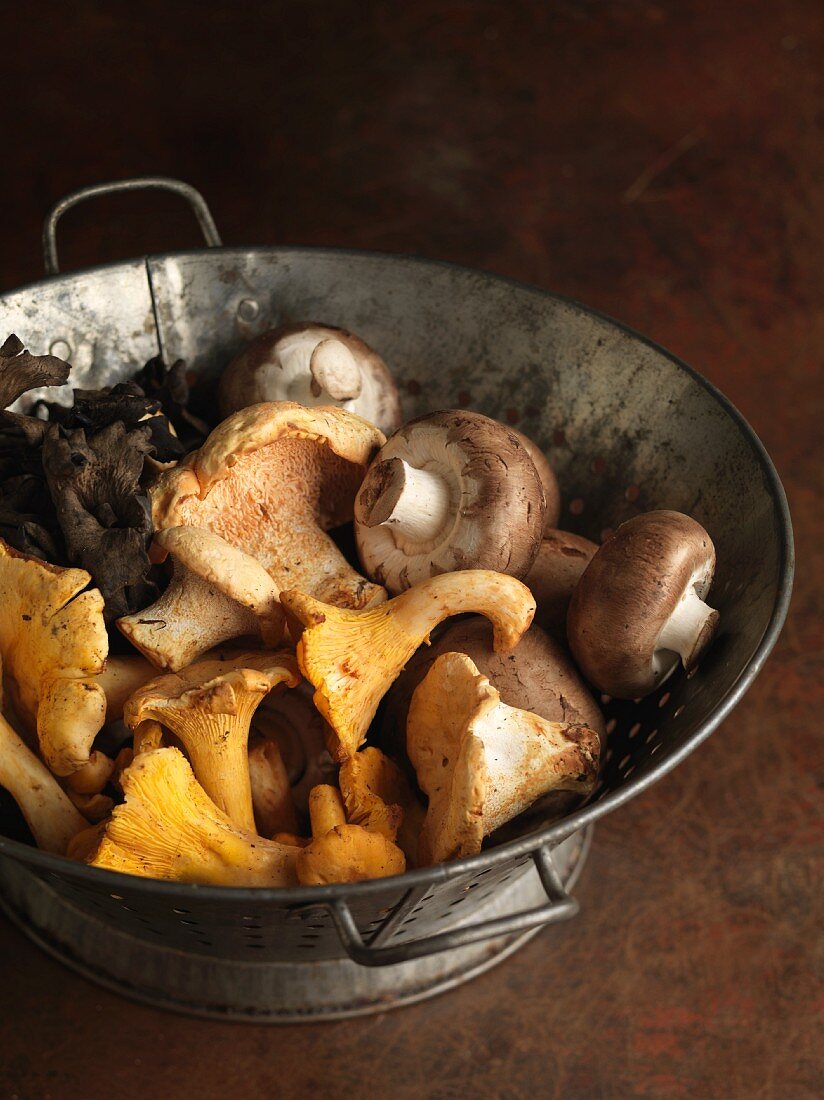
column 271, row 480
column 169, row 829
column 378, row 796
column 639, row 606
column 451, row 490
column 53, row 644
column 313, row 364
column 208, row 707
column 48, row 811
column 217, row 592
column 341, row 852
column 481, row 762
column 353, row 657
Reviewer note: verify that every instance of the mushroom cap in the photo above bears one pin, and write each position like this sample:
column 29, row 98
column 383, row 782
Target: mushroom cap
column 53, row 643
column 378, row 796
column 481, row 762
column 562, row 557
column 627, row 594
column 537, row 675
column 21, row 371
column 270, row 480
column 348, row 853
column 169, row 829
column 275, row 366
column 552, row 492
column 352, row 657
column 497, row 501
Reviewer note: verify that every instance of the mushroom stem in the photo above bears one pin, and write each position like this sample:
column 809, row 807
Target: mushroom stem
column 417, row 503
column 48, row 810
column 334, row 370
column 326, row 810
column 685, row 634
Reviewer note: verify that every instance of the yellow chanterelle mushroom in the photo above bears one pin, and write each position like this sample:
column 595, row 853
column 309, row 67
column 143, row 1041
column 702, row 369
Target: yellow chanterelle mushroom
column 341, row 852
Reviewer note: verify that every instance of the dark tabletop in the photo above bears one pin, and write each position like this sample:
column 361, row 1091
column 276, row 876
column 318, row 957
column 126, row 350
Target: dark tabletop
column 659, row 161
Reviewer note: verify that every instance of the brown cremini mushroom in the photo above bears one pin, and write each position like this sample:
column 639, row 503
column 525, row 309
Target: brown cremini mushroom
column 552, row 494
column 217, row 592
column 208, row 707
column 341, row 852
column 451, row 490
column 562, row 557
column 271, row 480
column 536, row 675
column 352, row 657
column 312, row 364
column 639, row 606
column 481, row 762
column 169, row 829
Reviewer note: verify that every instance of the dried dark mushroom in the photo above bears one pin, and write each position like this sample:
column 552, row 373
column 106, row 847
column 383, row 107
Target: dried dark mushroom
column 27, row 518
column 21, row 372
column 102, row 510
column 170, row 387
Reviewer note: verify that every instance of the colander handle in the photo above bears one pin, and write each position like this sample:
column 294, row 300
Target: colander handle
column 559, row 906
column 139, row 183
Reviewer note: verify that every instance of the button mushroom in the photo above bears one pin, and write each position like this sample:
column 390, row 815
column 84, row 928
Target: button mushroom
column 537, row 675
column 562, row 557
column 352, row 657
column 271, row 480
column 169, row 829
column 552, row 493
column 47, row 809
column 341, row 852
column 217, row 592
column 312, row 364
column 452, row 490
column 53, row 644
column 481, row 762
column 208, row 707
column 639, row 606
column 378, row 796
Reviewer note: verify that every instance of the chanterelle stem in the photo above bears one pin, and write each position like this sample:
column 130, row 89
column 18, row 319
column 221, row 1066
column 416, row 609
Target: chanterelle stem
column 416, row 503
column 686, row 632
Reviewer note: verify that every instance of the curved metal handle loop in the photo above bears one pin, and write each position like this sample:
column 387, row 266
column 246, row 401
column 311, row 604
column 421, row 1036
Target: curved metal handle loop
column 560, row 906
column 139, row 183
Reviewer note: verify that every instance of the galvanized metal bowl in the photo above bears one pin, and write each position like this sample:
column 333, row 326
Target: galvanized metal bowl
column 626, row 426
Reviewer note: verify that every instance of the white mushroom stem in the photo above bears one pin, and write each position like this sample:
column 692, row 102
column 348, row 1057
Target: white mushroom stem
column 417, row 503
column 685, row 633
column 47, row 808
column 335, row 371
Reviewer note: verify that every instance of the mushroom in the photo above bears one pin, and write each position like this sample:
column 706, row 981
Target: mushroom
column 208, row 707
column 103, row 514
column 271, row 480
column 451, row 490
column 537, row 675
column 312, row 364
column 93, row 776
column 169, row 829
column 378, row 796
column 272, row 802
column 169, row 387
column 94, row 807
column 341, row 852
column 562, row 558
column 291, row 720
column 53, row 645
column 482, row 762
column 47, row 809
column 21, row 372
column 352, row 657
column 639, row 606
column 217, row 592
column 552, row 493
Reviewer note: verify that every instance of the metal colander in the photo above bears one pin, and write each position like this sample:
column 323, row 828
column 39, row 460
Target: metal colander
column 627, row 428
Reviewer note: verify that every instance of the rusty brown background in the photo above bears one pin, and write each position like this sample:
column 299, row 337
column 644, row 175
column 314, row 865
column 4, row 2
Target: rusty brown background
column 659, row 161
